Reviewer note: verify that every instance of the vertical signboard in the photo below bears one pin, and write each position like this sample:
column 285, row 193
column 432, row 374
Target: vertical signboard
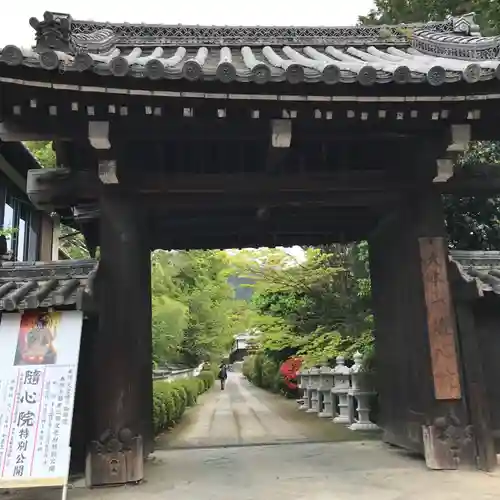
column 38, row 366
column 440, row 319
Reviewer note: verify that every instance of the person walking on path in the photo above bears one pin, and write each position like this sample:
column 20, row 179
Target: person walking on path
column 222, row 376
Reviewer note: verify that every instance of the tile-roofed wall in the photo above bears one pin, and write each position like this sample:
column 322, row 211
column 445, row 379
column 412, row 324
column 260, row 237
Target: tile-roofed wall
column 480, row 268
column 433, row 53
column 33, row 285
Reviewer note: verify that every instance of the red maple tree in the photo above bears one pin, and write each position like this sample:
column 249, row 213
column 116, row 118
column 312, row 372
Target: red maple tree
column 289, row 370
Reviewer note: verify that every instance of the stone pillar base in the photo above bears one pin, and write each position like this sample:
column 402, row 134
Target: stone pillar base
column 363, row 426
column 340, row 419
column 111, row 464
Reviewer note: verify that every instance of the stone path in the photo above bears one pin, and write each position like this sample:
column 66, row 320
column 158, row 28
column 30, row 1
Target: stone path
column 244, row 415
column 215, row 454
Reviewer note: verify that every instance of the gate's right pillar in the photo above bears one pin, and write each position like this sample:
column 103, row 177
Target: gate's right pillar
column 422, row 402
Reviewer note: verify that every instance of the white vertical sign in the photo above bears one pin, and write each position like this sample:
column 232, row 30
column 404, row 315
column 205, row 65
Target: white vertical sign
column 38, row 366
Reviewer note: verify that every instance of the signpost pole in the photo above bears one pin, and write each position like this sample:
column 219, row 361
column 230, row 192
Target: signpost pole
column 64, row 493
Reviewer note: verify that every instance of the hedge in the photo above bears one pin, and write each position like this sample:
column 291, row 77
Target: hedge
column 170, row 399
column 264, row 372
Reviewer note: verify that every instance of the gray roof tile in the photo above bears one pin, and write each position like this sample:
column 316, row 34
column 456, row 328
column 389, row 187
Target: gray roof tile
column 480, row 268
column 434, row 53
column 33, row 285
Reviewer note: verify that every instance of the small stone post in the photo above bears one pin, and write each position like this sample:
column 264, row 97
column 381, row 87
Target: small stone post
column 325, row 388
column 303, row 381
column 361, row 390
column 341, row 386
column 314, row 385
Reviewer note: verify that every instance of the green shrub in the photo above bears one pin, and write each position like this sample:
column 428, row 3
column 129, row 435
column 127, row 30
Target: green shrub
column 269, row 369
column 248, row 367
column 201, row 385
column 208, row 378
column 264, row 372
column 257, row 369
column 170, row 399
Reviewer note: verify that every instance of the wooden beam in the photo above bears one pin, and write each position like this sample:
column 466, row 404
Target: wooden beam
column 64, row 187
column 141, row 127
column 209, row 241
column 12, row 174
column 287, row 222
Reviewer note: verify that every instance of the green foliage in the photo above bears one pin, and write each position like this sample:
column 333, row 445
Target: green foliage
column 414, row 11
column 325, row 346
column 318, row 309
column 208, row 378
column 72, row 243
column 170, row 319
column 263, row 372
column 43, row 151
column 472, row 221
column 170, row 399
column 195, row 316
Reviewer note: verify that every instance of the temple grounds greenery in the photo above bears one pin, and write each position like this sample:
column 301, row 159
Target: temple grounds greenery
column 170, row 399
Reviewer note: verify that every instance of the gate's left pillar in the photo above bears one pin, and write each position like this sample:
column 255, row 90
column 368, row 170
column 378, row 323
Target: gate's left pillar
column 121, row 394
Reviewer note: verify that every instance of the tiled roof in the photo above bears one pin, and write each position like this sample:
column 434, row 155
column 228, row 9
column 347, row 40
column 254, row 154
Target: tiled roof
column 32, row 285
column 479, row 268
column 434, row 53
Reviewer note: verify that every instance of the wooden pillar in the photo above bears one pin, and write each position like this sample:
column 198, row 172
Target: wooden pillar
column 423, row 406
column 49, row 238
column 121, row 423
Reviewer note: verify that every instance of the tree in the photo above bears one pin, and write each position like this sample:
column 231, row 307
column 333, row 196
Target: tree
column 416, row 11
column 317, row 309
column 472, row 222
column 43, row 151
column 195, row 316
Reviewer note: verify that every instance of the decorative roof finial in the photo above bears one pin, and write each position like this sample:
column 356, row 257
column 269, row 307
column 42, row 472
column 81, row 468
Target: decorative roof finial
column 465, row 25
column 53, row 33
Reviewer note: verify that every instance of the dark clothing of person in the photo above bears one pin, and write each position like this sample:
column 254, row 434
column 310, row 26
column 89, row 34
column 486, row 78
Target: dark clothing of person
column 222, row 376
column 223, row 373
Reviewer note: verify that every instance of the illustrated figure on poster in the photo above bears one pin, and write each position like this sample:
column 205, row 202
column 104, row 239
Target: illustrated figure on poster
column 36, row 340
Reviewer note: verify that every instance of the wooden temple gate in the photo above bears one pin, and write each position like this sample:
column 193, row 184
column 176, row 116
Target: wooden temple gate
column 183, row 137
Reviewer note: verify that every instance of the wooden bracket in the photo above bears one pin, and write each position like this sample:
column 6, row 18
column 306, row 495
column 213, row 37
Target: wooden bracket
column 445, row 169
column 107, row 171
column 281, row 133
column 99, row 135
column 460, row 139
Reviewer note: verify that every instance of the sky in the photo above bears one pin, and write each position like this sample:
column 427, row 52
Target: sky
column 14, row 27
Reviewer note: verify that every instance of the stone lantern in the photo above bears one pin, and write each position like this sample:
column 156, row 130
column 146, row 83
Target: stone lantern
column 361, row 391
column 314, row 376
column 340, row 390
column 325, row 389
column 304, row 386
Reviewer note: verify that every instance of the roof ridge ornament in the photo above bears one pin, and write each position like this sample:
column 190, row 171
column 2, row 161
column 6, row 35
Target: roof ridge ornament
column 463, row 41
column 54, row 32
column 62, row 32
column 465, row 24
